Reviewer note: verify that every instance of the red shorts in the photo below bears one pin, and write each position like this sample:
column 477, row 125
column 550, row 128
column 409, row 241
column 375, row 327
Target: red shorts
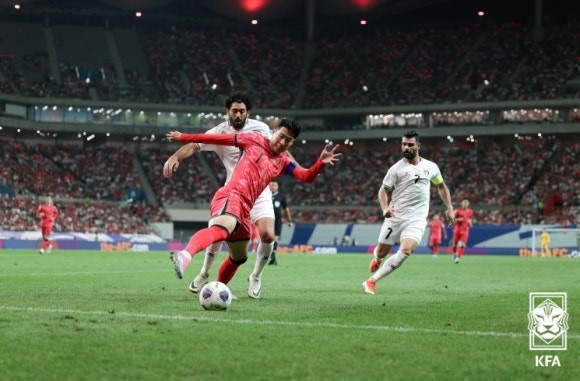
column 460, row 235
column 224, row 203
column 46, row 230
column 434, row 241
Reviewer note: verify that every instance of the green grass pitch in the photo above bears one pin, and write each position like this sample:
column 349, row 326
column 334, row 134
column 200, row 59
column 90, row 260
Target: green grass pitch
column 79, row 315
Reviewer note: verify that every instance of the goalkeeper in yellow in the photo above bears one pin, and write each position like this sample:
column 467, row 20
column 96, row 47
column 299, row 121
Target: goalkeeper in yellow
column 544, row 242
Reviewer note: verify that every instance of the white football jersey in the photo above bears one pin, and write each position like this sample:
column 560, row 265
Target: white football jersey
column 230, row 155
column 411, row 185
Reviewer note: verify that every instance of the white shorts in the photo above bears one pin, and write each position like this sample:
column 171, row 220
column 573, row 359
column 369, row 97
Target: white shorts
column 394, row 229
column 263, row 207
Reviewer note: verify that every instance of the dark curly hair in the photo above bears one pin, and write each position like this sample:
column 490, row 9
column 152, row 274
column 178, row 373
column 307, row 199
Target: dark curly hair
column 239, row 98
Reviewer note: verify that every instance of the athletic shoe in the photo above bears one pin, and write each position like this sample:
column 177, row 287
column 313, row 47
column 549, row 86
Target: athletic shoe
column 177, row 260
column 234, row 297
column 369, row 286
column 273, row 263
column 198, row 282
column 48, row 249
column 374, row 266
column 40, row 251
column 455, row 259
column 255, row 287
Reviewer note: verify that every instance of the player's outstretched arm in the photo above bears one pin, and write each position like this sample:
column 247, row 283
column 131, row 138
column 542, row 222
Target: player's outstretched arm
column 327, row 156
column 172, row 164
column 173, row 136
column 330, row 156
column 219, row 139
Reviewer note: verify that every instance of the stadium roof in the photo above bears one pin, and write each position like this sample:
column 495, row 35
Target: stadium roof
column 287, row 9
column 291, row 15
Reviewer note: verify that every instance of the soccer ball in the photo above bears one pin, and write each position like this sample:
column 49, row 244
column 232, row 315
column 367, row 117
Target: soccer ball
column 215, row 296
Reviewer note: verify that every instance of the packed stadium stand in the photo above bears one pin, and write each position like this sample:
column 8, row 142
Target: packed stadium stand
column 116, row 185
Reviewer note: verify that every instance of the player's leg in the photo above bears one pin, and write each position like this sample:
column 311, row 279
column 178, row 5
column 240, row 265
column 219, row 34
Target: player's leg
column 384, row 244
column 458, row 251
column 410, row 235
column 277, row 233
column 47, row 239
column 461, row 245
column 238, row 255
column 545, row 252
column 44, row 243
column 263, row 218
column 435, row 247
column 203, row 277
column 456, row 238
column 265, row 227
column 219, row 229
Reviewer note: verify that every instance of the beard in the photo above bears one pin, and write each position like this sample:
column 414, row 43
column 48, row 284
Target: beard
column 238, row 124
column 409, row 154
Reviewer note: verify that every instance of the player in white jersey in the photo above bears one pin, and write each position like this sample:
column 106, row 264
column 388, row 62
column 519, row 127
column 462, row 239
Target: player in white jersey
column 404, row 198
column 238, row 107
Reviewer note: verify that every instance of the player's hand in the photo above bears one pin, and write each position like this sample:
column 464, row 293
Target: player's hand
column 450, row 214
column 170, row 166
column 389, row 212
column 173, row 136
column 329, row 156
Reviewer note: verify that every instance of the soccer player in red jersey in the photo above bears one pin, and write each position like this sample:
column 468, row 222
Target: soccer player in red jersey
column 437, row 230
column 261, row 160
column 463, row 216
column 47, row 213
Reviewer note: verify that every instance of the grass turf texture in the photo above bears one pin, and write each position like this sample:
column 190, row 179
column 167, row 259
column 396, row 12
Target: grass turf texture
column 125, row 316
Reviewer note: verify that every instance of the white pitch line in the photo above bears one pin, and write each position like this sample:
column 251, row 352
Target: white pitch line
column 82, row 273
column 271, row 322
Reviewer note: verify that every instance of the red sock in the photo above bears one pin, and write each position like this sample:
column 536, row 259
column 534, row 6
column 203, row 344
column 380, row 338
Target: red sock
column 435, row 250
column 460, row 251
column 44, row 245
column 227, row 270
column 204, row 238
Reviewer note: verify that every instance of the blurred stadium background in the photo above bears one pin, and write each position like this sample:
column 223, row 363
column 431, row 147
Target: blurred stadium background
column 87, row 91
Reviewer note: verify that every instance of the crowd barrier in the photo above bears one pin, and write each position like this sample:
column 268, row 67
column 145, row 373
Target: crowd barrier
column 320, row 239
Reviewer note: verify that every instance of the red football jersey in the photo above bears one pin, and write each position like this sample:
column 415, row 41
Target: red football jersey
column 257, row 165
column 47, row 214
column 463, row 216
column 436, row 229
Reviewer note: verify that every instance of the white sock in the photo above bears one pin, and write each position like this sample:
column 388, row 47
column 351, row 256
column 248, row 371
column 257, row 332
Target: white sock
column 208, row 260
column 210, row 256
column 394, row 262
column 262, row 256
column 49, row 249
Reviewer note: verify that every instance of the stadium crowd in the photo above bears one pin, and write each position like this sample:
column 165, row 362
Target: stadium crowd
column 95, row 179
column 195, row 66
column 373, row 68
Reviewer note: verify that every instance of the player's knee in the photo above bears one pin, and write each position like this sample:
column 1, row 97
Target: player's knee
column 267, row 236
column 239, row 261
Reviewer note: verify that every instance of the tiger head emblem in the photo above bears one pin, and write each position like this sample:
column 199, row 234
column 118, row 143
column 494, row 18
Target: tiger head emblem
column 548, row 321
